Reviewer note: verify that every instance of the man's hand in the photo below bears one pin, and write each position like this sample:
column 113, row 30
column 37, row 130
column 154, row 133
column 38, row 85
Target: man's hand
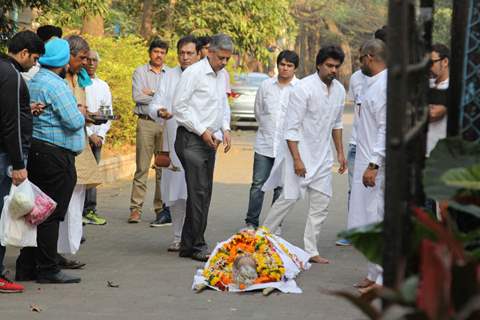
column 18, row 176
column 83, row 109
column 342, row 162
column 227, row 141
column 148, row 92
column 436, row 112
column 164, row 114
column 208, row 138
column 96, row 140
column 369, row 177
column 36, row 108
column 299, row 168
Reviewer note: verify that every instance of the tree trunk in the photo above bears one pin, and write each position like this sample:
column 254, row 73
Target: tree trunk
column 169, row 19
column 147, row 19
column 93, row 25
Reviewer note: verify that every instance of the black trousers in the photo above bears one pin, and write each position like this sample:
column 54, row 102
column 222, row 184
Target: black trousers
column 52, row 169
column 198, row 161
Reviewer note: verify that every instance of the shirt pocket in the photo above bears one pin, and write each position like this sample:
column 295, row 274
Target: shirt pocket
column 270, row 103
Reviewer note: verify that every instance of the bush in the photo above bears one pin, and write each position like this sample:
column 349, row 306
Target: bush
column 119, row 58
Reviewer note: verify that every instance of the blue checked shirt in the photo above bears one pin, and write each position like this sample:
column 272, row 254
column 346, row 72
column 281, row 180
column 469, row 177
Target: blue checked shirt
column 61, row 123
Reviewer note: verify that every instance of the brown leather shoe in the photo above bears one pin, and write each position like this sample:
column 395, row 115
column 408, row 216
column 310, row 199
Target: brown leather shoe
column 135, row 217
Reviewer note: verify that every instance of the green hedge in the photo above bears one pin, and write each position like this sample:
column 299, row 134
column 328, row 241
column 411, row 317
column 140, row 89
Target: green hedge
column 119, row 58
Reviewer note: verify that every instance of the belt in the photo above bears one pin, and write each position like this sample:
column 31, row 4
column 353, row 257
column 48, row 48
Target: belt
column 145, row 117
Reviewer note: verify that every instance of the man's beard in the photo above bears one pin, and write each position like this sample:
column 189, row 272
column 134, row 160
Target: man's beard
column 63, row 73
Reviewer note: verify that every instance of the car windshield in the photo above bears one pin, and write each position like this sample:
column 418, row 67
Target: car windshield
column 250, row 79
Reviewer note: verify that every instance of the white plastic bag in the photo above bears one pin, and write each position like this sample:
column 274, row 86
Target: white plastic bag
column 43, row 208
column 70, row 230
column 16, row 232
column 22, row 199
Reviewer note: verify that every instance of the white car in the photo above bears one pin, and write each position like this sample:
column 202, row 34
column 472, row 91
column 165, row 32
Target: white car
column 243, row 94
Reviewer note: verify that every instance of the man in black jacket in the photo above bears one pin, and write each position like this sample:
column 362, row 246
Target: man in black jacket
column 24, row 49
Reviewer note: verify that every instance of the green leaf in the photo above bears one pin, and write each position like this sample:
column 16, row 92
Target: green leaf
column 409, row 289
column 448, row 154
column 466, row 178
column 466, row 208
column 368, row 240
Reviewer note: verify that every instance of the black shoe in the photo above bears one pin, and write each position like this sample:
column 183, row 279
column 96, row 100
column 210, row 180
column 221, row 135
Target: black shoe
column 59, row 277
column 163, row 219
column 185, row 253
column 21, row 275
column 83, row 239
column 65, row 263
column 201, row 256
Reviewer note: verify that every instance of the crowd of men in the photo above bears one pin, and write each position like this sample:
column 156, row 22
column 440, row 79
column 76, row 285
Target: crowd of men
column 183, row 116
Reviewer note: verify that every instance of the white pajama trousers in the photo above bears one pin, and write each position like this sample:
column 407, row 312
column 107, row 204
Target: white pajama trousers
column 177, row 211
column 317, row 213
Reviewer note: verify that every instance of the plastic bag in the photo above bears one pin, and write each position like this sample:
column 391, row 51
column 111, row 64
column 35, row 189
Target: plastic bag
column 22, row 200
column 70, row 230
column 15, row 232
column 43, row 208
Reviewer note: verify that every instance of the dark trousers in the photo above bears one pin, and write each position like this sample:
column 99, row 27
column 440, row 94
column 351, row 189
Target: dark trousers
column 5, row 184
column 198, row 161
column 52, row 169
column 262, row 166
column 91, row 193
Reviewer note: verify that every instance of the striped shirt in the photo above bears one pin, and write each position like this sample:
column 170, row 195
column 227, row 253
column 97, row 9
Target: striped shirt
column 61, row 123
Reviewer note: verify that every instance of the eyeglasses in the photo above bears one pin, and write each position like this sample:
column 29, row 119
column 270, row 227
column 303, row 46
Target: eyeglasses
column 363, row 56
column 435, row 61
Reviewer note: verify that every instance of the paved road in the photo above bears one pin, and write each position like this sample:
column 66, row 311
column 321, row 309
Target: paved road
column 155, row 284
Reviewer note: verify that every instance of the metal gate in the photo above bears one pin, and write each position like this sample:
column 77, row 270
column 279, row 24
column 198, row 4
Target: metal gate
column 409, row 43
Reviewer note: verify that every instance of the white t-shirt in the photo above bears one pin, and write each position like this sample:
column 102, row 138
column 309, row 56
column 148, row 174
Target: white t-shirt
column 437, row 130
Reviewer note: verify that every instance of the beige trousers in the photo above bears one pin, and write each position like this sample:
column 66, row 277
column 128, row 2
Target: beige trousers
column 148, row 142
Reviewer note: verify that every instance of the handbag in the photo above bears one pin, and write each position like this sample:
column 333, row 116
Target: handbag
column 162, row 159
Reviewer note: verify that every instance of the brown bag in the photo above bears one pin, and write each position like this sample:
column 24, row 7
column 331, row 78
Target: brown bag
column 162, row 159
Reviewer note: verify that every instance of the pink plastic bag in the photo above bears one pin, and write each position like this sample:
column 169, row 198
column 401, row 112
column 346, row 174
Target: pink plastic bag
column 44, row 207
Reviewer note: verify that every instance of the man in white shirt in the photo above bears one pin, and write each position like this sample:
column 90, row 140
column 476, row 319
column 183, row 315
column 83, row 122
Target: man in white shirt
column 173, row 185
column 270, row 106
column 367, row 197
column 440, row 74
column 313, row 118
column 199, row 105
column 99, row 99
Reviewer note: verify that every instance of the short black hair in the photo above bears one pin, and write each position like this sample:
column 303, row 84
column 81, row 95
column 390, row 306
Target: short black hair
column 158, row 43
column 203, row 41
column 187, row 39
column 381, row 34
column 48, row 31
column 26, row 40
column 289, row 56
column 334, row 52
column 442, row 50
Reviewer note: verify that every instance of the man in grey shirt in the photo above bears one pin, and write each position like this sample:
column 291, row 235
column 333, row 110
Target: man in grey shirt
column 146, row 79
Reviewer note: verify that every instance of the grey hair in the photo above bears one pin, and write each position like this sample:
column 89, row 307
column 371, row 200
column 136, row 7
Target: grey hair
column 221, row 42
column 77, row 44
column 376, row 48
column 96, row 54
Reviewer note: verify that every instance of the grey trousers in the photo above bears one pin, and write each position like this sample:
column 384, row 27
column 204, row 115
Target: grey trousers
column 198, row 161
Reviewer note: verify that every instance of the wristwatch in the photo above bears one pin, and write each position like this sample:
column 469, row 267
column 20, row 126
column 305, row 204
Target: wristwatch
column 373, row 166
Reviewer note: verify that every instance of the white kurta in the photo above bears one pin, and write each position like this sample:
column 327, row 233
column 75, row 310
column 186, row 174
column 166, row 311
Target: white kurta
column 312, row 113
column 367, row 204
column 437, row 130
column 173, row 185
column 271, row 103
column 98, row 94
column 355, row 93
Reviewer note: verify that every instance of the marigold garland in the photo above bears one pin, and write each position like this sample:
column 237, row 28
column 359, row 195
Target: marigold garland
column 270, row 267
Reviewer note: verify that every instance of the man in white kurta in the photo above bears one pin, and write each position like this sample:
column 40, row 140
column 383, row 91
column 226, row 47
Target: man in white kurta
column 313, row 117
column 270, row 105
column 367, row 197
column 173, row 186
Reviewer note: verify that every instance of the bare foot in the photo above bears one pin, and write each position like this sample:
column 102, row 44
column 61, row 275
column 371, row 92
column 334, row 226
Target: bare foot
column 318, row 259
column 364, row 283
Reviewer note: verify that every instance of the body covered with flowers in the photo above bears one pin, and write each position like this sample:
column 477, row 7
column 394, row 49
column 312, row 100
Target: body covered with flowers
column 253, row 260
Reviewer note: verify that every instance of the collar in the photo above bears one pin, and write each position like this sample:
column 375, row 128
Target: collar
column 150, row 68
column 12, row 61
column 371, row 80
column 440, row 84
column 291, row 83
column 207, row 68
column 51, row 73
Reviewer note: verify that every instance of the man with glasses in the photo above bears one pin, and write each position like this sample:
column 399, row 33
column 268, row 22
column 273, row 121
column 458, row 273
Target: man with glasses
column 439, row 79
column 200, row 106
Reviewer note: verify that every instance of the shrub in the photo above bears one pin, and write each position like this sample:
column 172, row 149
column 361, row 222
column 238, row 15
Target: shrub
column 119, row 58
